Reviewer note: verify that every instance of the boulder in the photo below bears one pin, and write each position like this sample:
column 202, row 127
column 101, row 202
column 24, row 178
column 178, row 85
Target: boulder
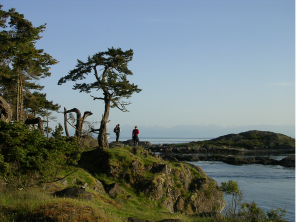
column 288, row 161
column 97, row 186
column 114, row 189
column 161, row 168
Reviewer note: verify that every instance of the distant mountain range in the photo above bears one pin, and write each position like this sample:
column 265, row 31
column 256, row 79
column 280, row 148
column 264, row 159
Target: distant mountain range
column 202, row 131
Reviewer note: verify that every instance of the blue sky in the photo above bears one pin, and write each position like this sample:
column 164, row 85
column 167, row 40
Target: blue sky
column 226, row 62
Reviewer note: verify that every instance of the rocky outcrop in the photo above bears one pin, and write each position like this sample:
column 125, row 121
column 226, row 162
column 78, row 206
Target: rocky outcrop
column 234, row 160
column 288, row 161
column 179, row 187
column 247, row 142
column 114, row 189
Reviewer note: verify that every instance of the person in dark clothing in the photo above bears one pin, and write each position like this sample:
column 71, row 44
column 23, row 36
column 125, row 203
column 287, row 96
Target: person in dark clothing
column 135, row 136
column 117, row 131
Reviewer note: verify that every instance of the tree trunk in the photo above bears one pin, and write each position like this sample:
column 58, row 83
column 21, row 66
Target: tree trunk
column 6, row 112
column 47, row 124
column 36, row 121
column 66, row 125
column 21, row 100
column 18, row 96
column 102, row 137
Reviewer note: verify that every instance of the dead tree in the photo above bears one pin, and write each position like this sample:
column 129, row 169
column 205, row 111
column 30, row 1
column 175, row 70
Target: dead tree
column 79, row 121
column 36, row 121
column 5, row 110
column 66, row 125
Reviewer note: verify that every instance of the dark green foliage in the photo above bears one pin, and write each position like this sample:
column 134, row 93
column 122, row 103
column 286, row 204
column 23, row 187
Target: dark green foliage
column 28, row 158
column 251, row 212
column 21, row 63
column 230, row 188
column 38, row 104
column 276, row 214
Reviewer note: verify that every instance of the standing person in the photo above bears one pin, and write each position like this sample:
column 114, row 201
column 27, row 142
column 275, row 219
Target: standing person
column 117, row 130
column 135, row 137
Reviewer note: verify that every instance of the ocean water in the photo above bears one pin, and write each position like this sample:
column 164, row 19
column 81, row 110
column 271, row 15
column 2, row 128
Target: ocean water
column 268, row 186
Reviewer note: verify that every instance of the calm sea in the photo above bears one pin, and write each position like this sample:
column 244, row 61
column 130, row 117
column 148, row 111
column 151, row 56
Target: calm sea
column 268, row 186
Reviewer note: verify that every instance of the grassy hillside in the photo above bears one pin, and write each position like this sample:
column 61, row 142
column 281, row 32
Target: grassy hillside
column 97, row 171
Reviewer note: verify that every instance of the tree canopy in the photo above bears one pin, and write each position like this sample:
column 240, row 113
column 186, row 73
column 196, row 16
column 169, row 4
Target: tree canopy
column 21, row 63
column 110, row 69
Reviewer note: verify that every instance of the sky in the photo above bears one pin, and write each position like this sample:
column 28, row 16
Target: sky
column 223, row 62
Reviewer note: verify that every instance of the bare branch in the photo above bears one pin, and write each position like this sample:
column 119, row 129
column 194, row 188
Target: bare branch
column 74, row 110
column 86, row 114
column 96, row 97
column 123, row 106
column 96, row 73
column 72, row 125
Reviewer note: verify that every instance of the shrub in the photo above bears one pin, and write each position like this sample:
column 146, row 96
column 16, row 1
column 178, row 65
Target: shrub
column 27, row 157
column 243, row 211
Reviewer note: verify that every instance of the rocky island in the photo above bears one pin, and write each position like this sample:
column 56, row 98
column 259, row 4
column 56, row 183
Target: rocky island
column 224, row 147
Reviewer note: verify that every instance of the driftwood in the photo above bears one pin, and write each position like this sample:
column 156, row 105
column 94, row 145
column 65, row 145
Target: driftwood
column 36, row 121
column 5, row 110
column 79, row 121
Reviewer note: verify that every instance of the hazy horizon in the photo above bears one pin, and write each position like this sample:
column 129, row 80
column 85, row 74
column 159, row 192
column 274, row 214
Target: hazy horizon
column 194, row 131
column 221, row 62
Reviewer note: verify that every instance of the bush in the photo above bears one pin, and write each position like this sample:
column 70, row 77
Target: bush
column 237, row 210
column 27, row 157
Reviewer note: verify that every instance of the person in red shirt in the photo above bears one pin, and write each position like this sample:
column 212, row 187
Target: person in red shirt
column 135, row 136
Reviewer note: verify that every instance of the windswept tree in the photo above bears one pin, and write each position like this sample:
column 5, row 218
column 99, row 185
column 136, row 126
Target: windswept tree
column 110, row 69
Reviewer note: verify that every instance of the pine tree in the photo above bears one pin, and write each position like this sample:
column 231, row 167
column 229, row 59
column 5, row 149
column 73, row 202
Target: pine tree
column 21, row 63
column 111, row 81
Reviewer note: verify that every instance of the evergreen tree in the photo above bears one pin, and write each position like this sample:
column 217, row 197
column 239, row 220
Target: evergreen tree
column 111, row 81
column 21, row 63
column 37, row 104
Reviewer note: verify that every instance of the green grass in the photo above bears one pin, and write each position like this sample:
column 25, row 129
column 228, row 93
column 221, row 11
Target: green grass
column 34, row 203
column 28, row 205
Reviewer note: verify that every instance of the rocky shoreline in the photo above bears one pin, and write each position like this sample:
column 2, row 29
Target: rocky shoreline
column 234, row 160
column 210, row 153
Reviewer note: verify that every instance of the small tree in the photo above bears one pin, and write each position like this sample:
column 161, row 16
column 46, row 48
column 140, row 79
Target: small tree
column 238, row 210
column 112, row 81
column 47, row 116
column 231, row 188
